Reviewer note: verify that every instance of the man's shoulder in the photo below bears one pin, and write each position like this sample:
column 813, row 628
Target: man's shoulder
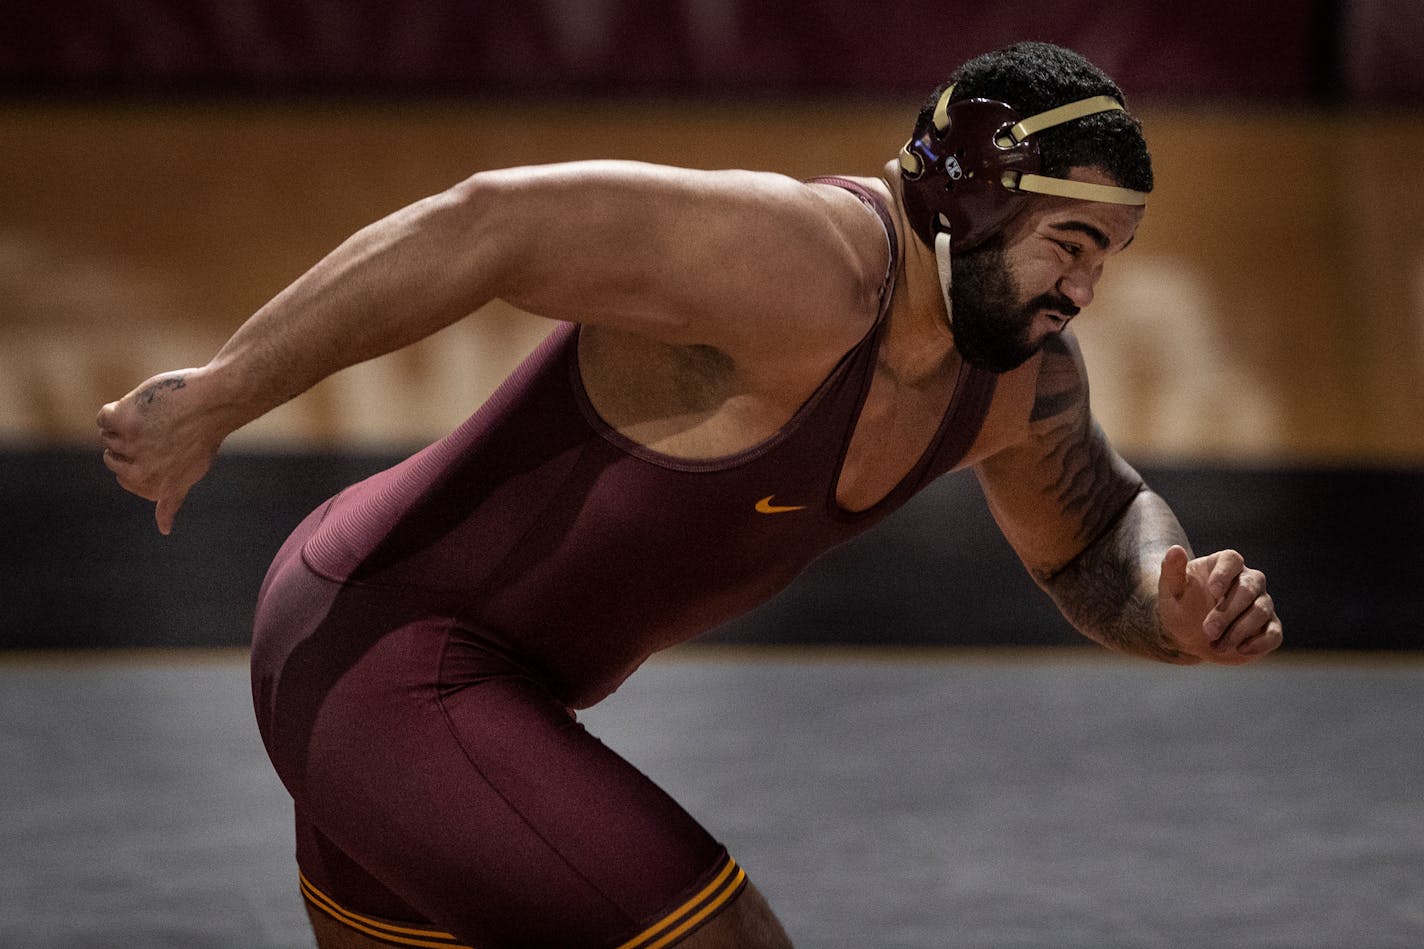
column 1048, row 391
column 1062, row 378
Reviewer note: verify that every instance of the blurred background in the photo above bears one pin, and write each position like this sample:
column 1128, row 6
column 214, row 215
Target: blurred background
column 167, row 166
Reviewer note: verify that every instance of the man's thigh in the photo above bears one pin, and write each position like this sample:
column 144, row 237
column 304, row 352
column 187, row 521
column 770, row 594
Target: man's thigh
column 452, row 782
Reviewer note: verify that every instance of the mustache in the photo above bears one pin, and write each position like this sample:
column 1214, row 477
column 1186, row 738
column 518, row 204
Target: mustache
column 1056, row 302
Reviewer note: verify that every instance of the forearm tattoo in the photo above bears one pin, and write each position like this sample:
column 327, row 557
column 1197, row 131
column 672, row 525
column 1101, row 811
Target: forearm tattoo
column 1104, row 592
column 1083, row 482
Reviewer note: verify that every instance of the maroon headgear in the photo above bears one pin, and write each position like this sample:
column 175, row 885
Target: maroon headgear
column 974, row 164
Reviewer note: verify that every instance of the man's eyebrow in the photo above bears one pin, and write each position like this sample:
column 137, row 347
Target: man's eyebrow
column 1091, row 232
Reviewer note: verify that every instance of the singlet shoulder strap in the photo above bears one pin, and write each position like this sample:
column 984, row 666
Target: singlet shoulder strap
column 958, row 430
column 873, row 201
column 974, row 390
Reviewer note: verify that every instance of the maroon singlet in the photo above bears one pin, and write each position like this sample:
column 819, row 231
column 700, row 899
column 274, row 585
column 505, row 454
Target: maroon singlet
column 420, row 639
column 584, row 552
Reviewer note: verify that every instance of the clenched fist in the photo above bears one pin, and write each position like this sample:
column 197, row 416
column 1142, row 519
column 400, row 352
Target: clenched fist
column 1215, row 608
column 160, row 439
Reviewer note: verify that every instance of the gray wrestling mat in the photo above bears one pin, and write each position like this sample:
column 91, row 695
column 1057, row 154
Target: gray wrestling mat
column 882, row 800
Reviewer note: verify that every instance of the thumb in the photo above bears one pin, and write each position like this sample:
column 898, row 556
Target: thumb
column 166, row 510
column 1173, row 580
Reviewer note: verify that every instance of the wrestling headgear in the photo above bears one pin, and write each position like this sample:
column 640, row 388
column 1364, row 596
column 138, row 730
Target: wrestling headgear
column 975, row 164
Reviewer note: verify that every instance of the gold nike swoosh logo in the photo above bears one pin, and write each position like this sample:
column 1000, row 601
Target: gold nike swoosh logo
column 765, row 506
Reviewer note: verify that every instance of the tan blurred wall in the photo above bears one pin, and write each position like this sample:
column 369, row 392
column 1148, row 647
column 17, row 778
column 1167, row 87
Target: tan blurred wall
column 1272, row 308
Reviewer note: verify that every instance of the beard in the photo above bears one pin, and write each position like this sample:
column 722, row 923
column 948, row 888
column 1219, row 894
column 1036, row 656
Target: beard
column 991, row 327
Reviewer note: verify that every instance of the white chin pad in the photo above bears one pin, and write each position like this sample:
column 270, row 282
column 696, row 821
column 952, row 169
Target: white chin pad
column 946, row 277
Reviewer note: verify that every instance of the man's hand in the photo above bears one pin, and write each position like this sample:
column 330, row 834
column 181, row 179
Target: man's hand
column 1216, row 608
column 159, row 441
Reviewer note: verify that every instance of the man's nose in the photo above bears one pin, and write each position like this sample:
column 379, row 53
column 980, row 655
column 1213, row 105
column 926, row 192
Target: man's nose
column 1077, row 285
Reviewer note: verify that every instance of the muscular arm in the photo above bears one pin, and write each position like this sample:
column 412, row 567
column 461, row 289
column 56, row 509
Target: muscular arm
column 388, row 285
column 1106, row 548
column 753, row 266
column 686, row 257
column 1085, row 525
column 1109, row 591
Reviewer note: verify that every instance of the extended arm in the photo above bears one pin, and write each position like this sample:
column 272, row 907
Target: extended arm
column 1109, row 550
column 685, row 257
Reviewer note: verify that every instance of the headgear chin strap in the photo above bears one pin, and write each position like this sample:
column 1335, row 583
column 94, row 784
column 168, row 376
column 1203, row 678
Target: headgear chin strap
column 975, row 164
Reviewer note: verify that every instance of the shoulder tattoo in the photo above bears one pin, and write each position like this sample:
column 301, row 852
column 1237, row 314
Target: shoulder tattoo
column 1079, row 472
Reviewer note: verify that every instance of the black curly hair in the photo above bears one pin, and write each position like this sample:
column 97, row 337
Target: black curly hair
column 1035, row 77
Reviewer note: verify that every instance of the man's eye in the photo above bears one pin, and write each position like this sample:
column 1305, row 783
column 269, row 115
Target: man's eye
column 1072, row 250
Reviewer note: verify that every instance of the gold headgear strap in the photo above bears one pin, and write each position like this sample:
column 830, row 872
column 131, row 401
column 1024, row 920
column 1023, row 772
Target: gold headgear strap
column 1062, row 187
column 1067, row 188
column 1040, row 184
column 1064, row 113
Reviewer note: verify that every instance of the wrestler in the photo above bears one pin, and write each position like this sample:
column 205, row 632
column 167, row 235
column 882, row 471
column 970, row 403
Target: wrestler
column 746, row 370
